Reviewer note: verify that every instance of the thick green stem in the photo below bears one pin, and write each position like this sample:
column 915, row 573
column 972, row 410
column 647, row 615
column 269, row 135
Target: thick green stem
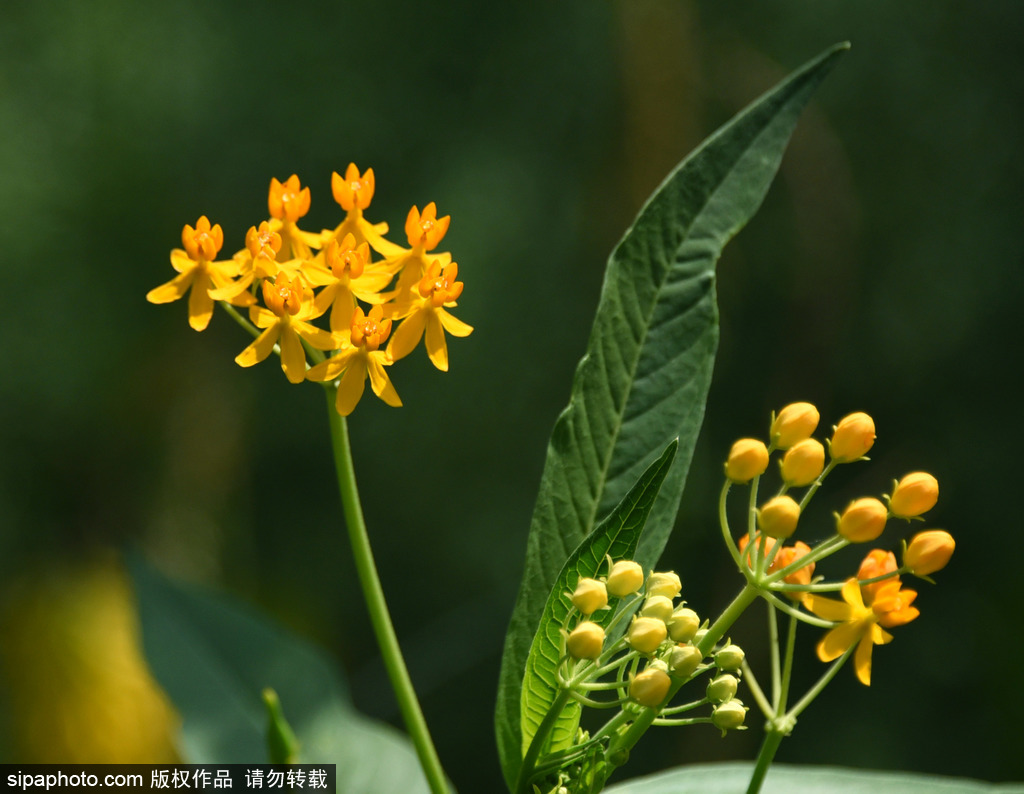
column 772, row 739
column 412, row 714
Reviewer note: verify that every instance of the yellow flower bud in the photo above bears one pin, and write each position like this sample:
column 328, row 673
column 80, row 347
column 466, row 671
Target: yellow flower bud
column 729, row 715
column 722, row 688
column 915, row 494
column 590, row 595
column 862, row 520
column 803, row 463
column 853, row 437
column 748, row 458
column 625, row 578
column 778, row 516
column 928, row 552
column 585, row 641
column 646, row 634
column 684, row 660
column 729, row 658
column 650, row 687
column 665, row 583
column 683, row 624
column 794, row 423
column 658, row 606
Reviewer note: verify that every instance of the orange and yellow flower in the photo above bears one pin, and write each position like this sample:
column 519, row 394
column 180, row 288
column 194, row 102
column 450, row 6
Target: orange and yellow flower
column 861, row 621
column 197, row 271
column 362, row 356
column 286, row 322
column 425, row 313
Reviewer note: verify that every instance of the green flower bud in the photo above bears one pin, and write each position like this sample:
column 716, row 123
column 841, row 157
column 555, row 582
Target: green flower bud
column 625, row 578
column 684, row 659
column 729, row 658
column 664, row 584
column 586, row 641
column 683, row 624
column 650, row 687
column 658, row 606
column 722, row 688
column 590, row 596
column 729, row 716
column 646, row 634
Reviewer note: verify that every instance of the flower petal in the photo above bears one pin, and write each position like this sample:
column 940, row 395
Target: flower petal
column 259, row 349
column 437, row 347
column 838, row 641
column 862, row 660
column 350, row 390
column 827, row 608
column 380, row 381
column 332, row 367
column 407, row 335
column 454, row 325
column 293, row 356
column 173, row 289
column 200, row 304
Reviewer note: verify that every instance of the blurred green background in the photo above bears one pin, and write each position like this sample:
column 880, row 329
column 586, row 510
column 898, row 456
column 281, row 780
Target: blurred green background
column 882, row 274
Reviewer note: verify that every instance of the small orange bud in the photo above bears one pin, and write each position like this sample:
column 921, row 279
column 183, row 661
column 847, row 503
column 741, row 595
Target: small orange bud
column 748, row 458
column 862, row 520
column 585, row 641
column 853, row 437
column 778, row 516
column 787, row 556
column 590, row 595
column 646, row 634
column 803, row 463
column 928, row 552
column 877, row 563
column 794, row 423
column 625, row 578
column 650, row 687
column 915, row 494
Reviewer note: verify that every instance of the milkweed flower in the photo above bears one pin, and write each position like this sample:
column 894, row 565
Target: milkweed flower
column 861, row 624
column 354, row 192
column 748, row 458
column 424, row 231
column 928, row 552
column 286, row 322
column 288, row 201
column 347, row 274
column 197, row 271
column 361, row 357
column 794, row 423
column 915, row 494
column 803, row 463
column 778, row 517
column 425, row 313
column 258, row 260
column 853, row 437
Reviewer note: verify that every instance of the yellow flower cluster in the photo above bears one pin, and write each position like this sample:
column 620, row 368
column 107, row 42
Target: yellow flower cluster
column 873, row 600
column 366, row 285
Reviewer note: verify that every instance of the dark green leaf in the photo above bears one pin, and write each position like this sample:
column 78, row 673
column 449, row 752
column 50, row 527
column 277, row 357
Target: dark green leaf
column 617, row 537
column 782, row 779
column 645, row 375
column 214, row 658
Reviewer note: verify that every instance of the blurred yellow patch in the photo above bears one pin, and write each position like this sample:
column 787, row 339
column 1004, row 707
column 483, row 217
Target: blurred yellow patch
column 72, row 673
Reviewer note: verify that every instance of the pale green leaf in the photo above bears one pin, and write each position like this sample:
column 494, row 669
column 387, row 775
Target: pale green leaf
column 214, row 658
column 645, row 375
column 783, row 779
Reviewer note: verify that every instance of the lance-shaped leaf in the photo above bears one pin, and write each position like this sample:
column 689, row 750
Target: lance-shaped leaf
column 645, row 375
column 617, row 537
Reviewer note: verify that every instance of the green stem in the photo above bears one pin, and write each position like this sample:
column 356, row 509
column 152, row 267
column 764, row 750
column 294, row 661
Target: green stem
column 770, row 745
column 376, row 604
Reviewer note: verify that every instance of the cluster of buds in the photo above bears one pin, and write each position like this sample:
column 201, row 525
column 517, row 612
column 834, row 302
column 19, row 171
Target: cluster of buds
column 875, row 598
column 380, row 298
column 655, row 654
